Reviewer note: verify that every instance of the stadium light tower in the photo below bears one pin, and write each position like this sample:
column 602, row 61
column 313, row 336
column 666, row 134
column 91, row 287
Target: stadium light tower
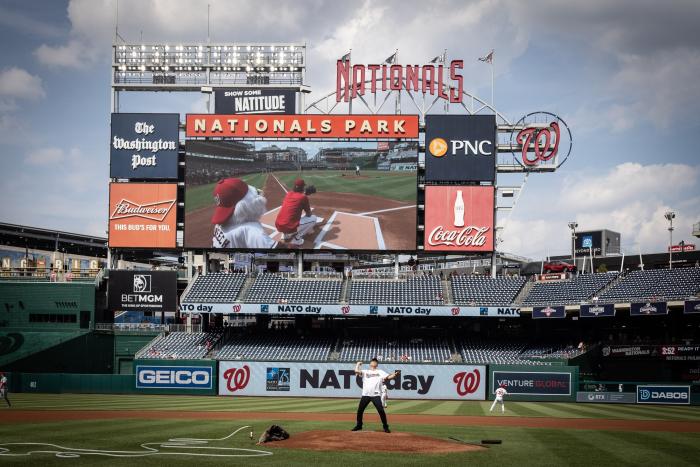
column 670, row 215
column 572, row 226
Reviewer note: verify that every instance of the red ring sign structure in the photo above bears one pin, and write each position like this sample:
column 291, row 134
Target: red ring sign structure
column 541, row 137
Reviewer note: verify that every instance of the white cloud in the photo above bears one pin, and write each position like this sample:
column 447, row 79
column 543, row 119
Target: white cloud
column 17, row 83
column 629, row 198
column 46, row 156
column 74, row 54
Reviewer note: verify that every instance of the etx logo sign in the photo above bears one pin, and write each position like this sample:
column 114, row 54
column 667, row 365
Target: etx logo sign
column 173, row 377
column 142, row 283
column 651, row 394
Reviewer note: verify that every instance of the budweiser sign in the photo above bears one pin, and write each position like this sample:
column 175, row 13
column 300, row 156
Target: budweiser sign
column 459, row 218
column 154, row 211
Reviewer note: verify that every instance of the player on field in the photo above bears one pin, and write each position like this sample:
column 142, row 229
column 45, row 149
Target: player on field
column 500, row 392
column 372, row 381
column 4, row 388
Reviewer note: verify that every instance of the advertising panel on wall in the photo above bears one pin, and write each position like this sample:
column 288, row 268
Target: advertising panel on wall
column 606, row 397
column 597, row 311
column 254, row 101
column 164, row 375
column 330, row 379
column 533, row 383
column 648, row 309
column 543, row 312
column 142, row 290
column 309, row 195
column 691, row 306
column 460, row 148
column 303, row 126
column 348, row 310
column 663, row 394
column 142, row 215
column 144, row 146
column 459, row 218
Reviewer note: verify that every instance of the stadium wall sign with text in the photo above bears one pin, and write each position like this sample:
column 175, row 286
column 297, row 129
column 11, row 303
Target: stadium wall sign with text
column 436, row 80
column 142, row 215
column 142, row 290
column 314, row 379
column 460, row 148
column 648, row 309
column 533, row 383
column 597, row 311
column 543, row 312
column 303, row 126
column 174, row 377
column 459, row 218
column 254, row 101
column 657, row 394
column 691, row 306
column 144, row 146
column 349, row 310
column 606, row 397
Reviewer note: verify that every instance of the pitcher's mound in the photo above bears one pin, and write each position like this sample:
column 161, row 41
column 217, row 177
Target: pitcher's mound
column 321, row 440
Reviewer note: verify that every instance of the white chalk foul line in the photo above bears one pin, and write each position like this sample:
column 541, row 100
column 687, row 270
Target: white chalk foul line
column 176, row 443
column 280, row 183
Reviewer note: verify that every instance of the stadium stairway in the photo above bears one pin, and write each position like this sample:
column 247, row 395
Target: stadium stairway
column 245, row 288
column 610, row 285
column 524, row 292
column 345, row 290
column 447, row 292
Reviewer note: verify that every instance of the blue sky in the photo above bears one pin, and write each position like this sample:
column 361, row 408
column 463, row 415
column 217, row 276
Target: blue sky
column 623, row 74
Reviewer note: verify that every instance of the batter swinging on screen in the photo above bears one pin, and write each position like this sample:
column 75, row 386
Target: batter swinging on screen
column 372, row 381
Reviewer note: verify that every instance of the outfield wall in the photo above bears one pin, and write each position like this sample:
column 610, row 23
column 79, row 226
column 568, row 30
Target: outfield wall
column 535, row 383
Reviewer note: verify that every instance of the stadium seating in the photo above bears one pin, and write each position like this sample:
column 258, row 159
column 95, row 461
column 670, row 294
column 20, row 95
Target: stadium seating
column 419, row 290
column 181, row 345
column 661, row 284
column 570, row 291
column 274, row 288
column 480, row 290
column 218, row 287
column 275, row 348
column 395, row 350
column 511, row 352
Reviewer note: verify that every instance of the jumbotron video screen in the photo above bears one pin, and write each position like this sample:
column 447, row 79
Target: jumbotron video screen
column 301, row 195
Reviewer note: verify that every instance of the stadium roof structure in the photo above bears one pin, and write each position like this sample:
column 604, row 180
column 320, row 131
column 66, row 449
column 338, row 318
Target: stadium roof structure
column 52, row 240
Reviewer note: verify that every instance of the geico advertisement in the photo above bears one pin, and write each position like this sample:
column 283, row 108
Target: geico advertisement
column 173, row 377
column 458, row 382
column 349, row 310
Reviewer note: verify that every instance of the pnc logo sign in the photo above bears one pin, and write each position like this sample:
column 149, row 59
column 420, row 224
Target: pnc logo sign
column 437, row 147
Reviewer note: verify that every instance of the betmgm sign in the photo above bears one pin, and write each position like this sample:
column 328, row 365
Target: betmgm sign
column 142, row 290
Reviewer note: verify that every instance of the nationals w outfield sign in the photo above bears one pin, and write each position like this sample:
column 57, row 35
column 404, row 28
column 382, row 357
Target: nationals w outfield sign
column 312, row 379
column 303, row 126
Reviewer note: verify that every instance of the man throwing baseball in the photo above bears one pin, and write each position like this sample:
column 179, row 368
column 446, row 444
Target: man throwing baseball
column 372, row 381
column 500, row 392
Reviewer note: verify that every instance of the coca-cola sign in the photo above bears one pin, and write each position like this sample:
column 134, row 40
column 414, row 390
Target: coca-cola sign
column 459, row 218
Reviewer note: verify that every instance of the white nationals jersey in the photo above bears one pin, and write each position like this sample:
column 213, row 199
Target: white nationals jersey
column 248, row 235
column 372, row 381
column 500, row 392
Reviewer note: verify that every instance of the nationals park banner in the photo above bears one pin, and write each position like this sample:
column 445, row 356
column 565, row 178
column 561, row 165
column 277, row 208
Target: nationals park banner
column 348, row 310
column 321, row 379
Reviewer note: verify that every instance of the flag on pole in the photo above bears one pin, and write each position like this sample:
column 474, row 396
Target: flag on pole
column 436, row 59
column 345, row 58
column 391, row 59
column 488, row 58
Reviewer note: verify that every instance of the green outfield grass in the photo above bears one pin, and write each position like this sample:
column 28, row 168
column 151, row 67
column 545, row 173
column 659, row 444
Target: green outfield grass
column 201, row 196
column 399, row 186
column 521, row 446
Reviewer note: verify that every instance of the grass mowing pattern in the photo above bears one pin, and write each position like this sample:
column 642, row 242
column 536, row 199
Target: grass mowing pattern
column 399, row 186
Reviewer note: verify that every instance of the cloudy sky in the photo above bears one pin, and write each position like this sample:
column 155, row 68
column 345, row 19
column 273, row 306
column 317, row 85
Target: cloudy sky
column 623, row 74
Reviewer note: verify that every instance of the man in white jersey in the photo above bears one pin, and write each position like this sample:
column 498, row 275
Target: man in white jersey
column 372, row 381
column 236, row 218
column 4, row 389
column 500, row 392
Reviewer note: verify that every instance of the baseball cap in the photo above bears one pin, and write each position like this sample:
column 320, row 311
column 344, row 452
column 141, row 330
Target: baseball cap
column 299, row 183
column 227, row 193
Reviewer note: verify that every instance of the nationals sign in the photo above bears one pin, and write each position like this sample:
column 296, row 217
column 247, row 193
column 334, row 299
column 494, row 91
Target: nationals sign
column 459, row 218
column 142, row 215
column 303, row 126
column 333, row 379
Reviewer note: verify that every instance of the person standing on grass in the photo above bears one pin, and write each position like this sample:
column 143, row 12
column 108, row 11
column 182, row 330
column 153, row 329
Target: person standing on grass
column 500, row 392
column 372, row 381
column 4, row 388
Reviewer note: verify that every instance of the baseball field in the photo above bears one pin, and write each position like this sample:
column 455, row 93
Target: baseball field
column 63, row 429
column 370, row 211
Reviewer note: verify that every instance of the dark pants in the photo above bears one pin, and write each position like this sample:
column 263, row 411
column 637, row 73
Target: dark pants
column 3, row 393
column 364, row 402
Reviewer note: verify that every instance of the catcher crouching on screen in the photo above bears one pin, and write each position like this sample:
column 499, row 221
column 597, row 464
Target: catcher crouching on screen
column 290, row 221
